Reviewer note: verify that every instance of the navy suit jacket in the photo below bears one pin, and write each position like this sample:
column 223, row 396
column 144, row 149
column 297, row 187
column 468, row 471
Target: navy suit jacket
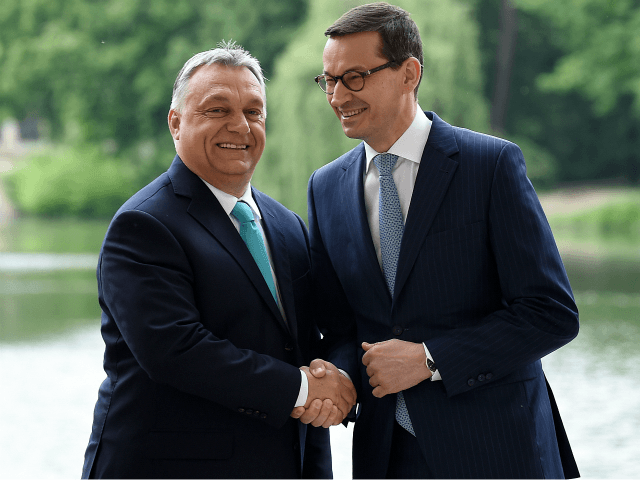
column 479, row 280
column 202, row 369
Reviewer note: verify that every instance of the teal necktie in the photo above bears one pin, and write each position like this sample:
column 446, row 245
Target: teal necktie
column 253, row 238
column 391, row 230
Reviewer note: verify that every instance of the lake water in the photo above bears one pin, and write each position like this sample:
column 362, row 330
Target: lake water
column 51, row 367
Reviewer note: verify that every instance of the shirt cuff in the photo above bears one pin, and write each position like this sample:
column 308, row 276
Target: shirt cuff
column 304, row 391
column 436, row 375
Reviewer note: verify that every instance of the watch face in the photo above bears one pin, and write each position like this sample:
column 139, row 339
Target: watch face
column 431, row 365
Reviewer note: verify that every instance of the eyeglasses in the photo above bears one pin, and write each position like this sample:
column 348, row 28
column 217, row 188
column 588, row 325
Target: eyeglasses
column 354, row 81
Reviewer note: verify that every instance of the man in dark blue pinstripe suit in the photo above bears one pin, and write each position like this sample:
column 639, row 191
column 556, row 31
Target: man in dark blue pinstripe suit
column 480, row 292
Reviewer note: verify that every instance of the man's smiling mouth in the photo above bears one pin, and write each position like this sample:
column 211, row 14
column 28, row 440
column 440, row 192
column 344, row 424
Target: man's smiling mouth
column 233, row 146
column 351, row 113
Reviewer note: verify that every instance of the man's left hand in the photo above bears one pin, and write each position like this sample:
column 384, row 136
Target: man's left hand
column 394, row 365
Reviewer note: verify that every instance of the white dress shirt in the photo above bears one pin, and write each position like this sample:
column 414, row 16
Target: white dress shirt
column 409, row 148
column 228, row 202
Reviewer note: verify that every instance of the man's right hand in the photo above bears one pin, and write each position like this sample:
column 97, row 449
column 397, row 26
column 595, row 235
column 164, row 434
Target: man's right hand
column 331, row 395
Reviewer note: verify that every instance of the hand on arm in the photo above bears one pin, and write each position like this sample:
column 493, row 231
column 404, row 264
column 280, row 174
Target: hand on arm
column 394, row 365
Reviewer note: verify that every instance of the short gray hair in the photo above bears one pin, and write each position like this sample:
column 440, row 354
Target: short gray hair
column 227, row 53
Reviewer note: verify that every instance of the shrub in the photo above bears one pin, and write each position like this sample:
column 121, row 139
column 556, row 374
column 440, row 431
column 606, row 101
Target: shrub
column 75, row 181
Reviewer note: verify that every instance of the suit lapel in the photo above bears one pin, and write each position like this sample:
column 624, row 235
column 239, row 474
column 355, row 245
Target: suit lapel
column 352, row 188
column 206, row 209
column 277, row 244
column 433, row 179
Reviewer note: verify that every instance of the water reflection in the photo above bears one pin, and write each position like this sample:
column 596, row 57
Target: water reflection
column 36, row 304
column 54, row 385
column 51, row 361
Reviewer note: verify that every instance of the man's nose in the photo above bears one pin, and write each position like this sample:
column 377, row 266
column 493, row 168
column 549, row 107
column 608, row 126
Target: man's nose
column 340, row 95
column 238, row 123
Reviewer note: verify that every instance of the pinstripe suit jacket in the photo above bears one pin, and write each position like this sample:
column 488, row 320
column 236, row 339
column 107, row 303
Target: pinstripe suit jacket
column 479, row 280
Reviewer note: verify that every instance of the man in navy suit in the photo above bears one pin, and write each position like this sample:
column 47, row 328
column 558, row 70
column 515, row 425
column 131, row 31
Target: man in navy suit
column 203, row 348
column 443, row 341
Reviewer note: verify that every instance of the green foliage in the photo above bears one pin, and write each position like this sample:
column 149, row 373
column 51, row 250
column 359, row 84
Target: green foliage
column 63, row 181
column 585, row 145
column 617, row 220
column 541, row 165
column 303, row 132
column 602, row 59
column 99, row 70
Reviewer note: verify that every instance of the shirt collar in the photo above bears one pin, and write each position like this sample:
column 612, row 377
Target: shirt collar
column 228, row 202
column 411, row 143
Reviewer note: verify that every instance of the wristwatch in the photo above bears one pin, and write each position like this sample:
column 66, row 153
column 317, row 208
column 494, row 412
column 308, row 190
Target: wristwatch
column 431, row 366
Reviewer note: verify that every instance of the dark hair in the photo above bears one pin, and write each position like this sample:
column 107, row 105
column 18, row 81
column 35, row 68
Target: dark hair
column 400, row 35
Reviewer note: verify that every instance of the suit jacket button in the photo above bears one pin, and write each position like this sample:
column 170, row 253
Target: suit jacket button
column 397, row 330
column 489, row 376
column 256, row 413
column 248, row 411
column 263, row 416
column 241, row 410
column 288, row 347
column 470, row 382
column 481, row 378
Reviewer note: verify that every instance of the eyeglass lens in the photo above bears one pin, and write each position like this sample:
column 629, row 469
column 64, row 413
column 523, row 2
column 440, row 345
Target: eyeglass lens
column 352, row 80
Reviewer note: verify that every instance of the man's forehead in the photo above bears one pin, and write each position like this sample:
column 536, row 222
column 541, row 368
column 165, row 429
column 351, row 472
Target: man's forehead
column 222, row 79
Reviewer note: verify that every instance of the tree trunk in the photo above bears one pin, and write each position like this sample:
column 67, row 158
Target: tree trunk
column 504, row 64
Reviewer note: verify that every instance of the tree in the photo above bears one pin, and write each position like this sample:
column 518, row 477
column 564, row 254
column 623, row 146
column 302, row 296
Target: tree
column 563, row 123
column 303, row 133
column 103, row 70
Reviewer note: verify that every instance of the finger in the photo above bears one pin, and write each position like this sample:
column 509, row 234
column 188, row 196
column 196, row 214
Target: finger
column 312, row 411
column 335, row 413
column 318, row 368
column 327, row 406
column 297, row 412
column 379, row 392
column 366, row 346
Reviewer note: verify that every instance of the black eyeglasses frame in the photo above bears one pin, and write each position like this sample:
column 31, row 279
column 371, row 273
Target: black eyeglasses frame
column 362, row 74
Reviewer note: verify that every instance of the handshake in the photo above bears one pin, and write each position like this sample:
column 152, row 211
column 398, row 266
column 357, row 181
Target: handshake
column 331, row 395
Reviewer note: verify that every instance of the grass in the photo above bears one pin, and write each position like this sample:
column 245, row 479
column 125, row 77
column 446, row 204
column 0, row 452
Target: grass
column 595, row 222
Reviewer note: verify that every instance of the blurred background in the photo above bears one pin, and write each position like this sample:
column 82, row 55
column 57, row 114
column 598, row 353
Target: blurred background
column 85, row 87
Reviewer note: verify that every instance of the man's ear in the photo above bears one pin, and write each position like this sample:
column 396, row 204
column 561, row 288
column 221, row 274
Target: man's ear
column 412, row 73
column 174, row 124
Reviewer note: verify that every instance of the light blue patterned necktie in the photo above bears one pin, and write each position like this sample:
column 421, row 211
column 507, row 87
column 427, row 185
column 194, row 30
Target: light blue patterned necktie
column 391, row 230
column 255, row 243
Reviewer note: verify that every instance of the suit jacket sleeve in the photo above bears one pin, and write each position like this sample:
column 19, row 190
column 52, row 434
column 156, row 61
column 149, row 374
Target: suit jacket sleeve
column 148, row 288
column 539, row 314
column 333, row 312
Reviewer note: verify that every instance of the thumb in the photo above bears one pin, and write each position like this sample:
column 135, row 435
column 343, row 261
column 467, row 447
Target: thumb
column 366, row 346
column 318, row 368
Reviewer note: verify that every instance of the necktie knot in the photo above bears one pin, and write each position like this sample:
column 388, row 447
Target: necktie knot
column 242, row 212
column 385, row 163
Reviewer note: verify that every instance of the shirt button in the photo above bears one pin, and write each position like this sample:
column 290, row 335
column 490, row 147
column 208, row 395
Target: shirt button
column 397, row 330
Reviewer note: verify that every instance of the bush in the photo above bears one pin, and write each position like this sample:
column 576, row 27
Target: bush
column 66, row 181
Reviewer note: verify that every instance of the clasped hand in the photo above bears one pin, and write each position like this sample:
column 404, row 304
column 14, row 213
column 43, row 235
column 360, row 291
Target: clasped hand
column 331, row 395
column 394, row 365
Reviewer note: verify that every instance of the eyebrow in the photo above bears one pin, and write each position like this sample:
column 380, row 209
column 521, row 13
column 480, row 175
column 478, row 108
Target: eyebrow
column 222, row 98
column 356, row 68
